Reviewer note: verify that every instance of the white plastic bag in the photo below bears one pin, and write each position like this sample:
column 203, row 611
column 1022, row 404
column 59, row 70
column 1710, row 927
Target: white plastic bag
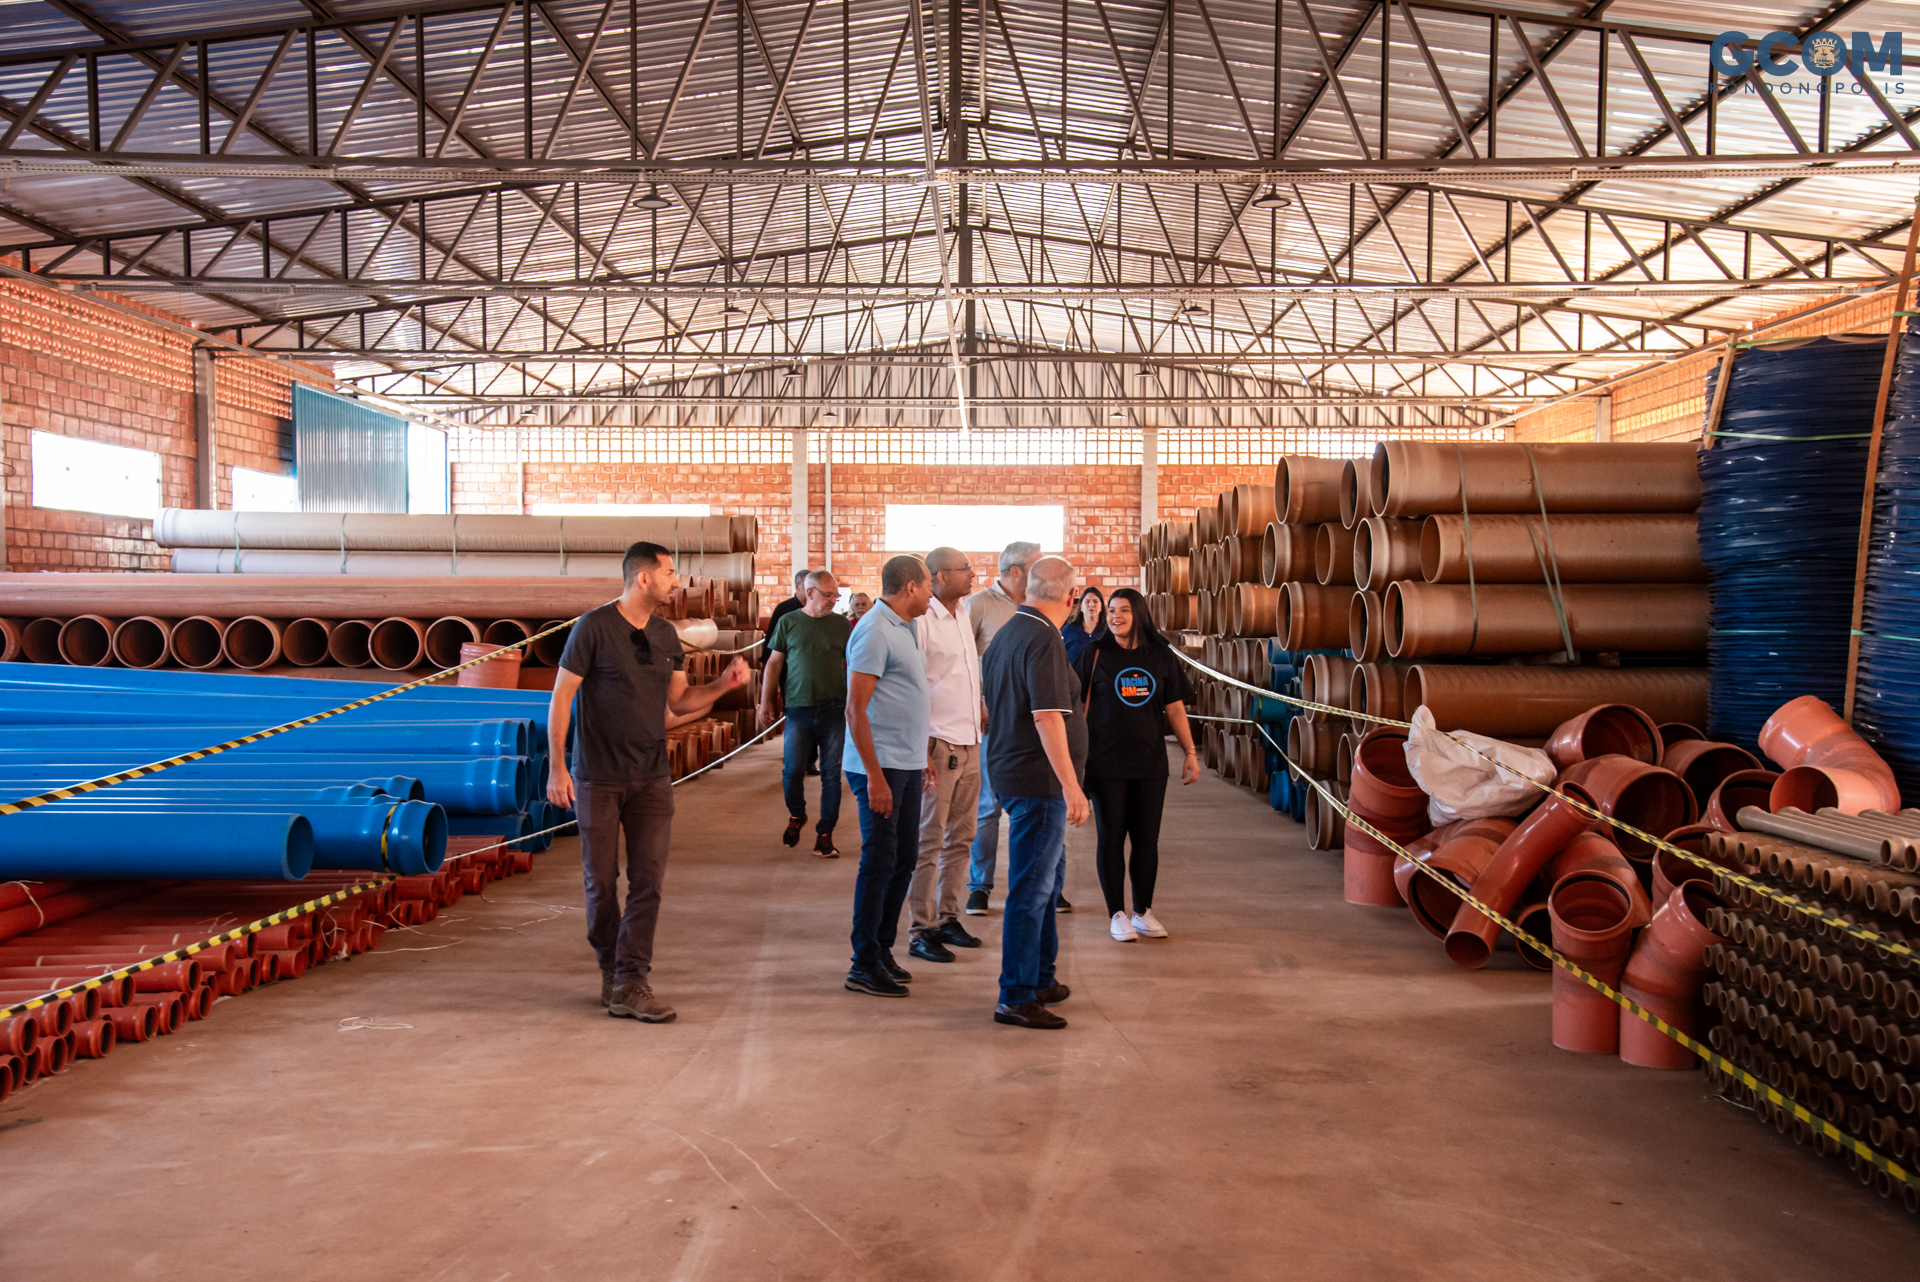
column 1461, row 785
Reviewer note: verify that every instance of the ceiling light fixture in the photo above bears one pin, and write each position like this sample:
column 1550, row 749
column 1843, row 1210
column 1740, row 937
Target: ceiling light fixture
column 733, row 309
column 1272, row 198
column 1193, row 309
column 1117, row 417
column 653, row 200
column 1143, row 373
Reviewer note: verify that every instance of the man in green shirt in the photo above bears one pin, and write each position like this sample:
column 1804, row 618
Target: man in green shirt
column 807, row 663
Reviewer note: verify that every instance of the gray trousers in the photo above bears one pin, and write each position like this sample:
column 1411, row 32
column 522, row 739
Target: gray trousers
column 623, row 938
column 946, row 835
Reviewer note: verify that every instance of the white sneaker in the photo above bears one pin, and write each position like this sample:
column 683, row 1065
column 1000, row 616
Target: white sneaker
column 1121, row 929
column 1146, row 924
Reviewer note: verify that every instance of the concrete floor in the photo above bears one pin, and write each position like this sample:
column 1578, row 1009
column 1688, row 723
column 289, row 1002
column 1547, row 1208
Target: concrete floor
column 1289, row 1087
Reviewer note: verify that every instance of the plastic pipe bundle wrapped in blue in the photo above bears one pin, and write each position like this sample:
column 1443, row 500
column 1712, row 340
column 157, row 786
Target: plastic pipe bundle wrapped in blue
column 1779, row 525
column 1888, row 690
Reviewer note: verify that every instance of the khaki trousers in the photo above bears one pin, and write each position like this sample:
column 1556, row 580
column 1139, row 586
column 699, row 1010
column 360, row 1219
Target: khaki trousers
column 946, row 835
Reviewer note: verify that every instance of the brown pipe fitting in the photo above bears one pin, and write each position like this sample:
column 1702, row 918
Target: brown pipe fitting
column 10, row 638
column 1670, row 870
column 134, row 1023
column 445, row 636
column 40, row 643
column 1354, row 500
column 55, row 1055
column 1252, row 509
column 1241, row 559
column 1314, row 616
column 547, row 650
column 1417, row 478
column 1366, row 634
column 18, row 1034
column 1704, row 764
column 1306, row 489
column 1589, row 852
column 1514, row 618
column 1343, row 759
column 1255, row 611
column 198, row 642
column 1826, row 763
column 93, row 1039
column 143, row 642
column 1328, row 679
column 1333, row 556
column 86, row 641
column 167, row 977
column 1383, row 787
column 1740, row 789
column 1367, row 873
column 253, row 642
column 1535, row 920
column 1649, row 798
column 53, row 1019
column 1592, row 927
column 289, row 963
column 350, row 644
column 305, row 642
column 1606, row 728
column 1519, row 859
column 1380, row 689
column 1385, row 551
column 1286, row 552
column 289, row 934
column 1587, row 548
column 1461, row 858
column 1664, row 974
column 398, row 644
column 1672, row 732
column 167, row 1007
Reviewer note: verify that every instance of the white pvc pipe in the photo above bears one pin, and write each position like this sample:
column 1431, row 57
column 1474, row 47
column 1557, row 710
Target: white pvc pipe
column 392, row 532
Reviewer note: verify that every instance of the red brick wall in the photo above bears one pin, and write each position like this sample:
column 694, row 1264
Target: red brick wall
column 73, row 367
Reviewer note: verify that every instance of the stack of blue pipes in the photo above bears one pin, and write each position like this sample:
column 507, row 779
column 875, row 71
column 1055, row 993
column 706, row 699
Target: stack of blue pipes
column 1285, row 793
column 379, row 788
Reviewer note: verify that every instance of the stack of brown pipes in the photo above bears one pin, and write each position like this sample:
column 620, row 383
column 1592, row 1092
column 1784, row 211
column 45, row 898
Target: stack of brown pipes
column 1166, row 576
column 1233, row 750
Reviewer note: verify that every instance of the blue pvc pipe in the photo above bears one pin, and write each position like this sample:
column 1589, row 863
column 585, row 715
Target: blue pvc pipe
column 24, row 781
column 486, row 786
column 158, row 789
column 344, row 836
column 204, row 843
column 452, row 739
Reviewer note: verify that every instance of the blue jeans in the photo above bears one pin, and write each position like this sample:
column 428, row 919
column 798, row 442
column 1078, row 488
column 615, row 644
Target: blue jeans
column 986, row 832
column 822, row 729
column 1036, row 862
column 889, row 848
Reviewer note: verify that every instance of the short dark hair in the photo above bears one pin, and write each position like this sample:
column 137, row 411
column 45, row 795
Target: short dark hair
column 637, row 559
column 900, row 571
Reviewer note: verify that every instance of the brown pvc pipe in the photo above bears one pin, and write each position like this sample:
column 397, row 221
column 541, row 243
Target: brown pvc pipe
column 304, row 642
column 1703, row 764
column 1739, row 789
column 1381, row 690
column 1602, row 729
column 1587, row 548
column 40, row 641
column 93, row 1039
column 10, row 630
column 1252, row 509
column 1366, row 635
column 198, row 641
column 1333, row 555
column 1590, row 852
column 398, row 643
column 168, row 1009
column 1511, row 618
column 1255, row 610
column 445, row 636
column 1826, row 763
column 1649, row 798
column 1672, row 732
column 135, row 1023
column 547, row 650
column 512, row 631
column 1385, row 551
column 253, row 642
column 1511, row 702
column 1314, row 616
column 1461, row 858
column 1286, row 552
column 1354, row 504
column 1592, row 927
column 143, row 641
column 86, row 640
column 1418, row 478
column 1669, row 870
column 1328, row 679
column 1664, row 974
column 349, row 645
column 1519, row 859
column 1307, row 489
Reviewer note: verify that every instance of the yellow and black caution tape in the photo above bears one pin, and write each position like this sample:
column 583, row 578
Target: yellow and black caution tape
column 155, row 767
column 1864, row 934
column 182, row 954
column 1820, row 1124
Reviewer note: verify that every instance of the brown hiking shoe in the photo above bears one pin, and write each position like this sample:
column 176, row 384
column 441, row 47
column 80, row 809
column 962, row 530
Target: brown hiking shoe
column 606, row 988
column 634, row 1000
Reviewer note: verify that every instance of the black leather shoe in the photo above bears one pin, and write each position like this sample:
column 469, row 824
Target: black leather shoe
column 1027, row 1015
column 1053, row 996
column 1060, row 904
column 791, row 837
column 895, row 971
column 953, row 935
column 929, row 948
column 861, row 980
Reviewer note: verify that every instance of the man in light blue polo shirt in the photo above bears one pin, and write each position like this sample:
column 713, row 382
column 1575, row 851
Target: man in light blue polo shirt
column 889, row 716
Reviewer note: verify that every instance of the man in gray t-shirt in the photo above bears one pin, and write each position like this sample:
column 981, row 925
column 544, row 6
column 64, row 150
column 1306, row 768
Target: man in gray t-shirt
column 624, row 662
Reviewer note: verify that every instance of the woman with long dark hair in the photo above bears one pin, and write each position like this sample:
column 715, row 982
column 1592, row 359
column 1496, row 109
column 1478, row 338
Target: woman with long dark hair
column 1086, row 624
column 1135, row 690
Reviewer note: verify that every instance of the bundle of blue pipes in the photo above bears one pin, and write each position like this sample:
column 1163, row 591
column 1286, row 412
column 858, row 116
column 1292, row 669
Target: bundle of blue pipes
column 379, row 788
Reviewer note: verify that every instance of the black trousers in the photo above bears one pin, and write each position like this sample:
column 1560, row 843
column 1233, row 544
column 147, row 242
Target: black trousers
column 1128, row 810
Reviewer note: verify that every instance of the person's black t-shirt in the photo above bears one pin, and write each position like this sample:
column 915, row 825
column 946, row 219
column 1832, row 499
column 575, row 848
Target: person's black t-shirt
column 785, row 608
column 1024, row 671
column 1125, row 721
column 620, row 714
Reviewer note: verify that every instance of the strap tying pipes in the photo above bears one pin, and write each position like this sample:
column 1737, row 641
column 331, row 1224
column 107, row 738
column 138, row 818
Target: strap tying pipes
column 1466, row 522
column 1555, row 593
column 1546, row 949
column 1891, row 947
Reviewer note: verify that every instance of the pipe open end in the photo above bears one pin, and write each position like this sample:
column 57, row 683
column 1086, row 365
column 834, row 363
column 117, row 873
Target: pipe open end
column 445, row 637
column 1466, row 949
column 86, row 641
column 396, row 644
column 197, row 641
column 1430, row 550
column 349, row 644
column 252, row 642
column 141, row 642
column 1393, row 604
column 305, row 642
column 1379, row 477
column 1363, row 563
column 547, row 650
column 40, row 641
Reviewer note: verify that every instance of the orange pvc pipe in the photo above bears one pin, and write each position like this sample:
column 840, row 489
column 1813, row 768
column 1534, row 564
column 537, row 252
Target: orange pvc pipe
column 305, row 642
column 1307, row 489
column 93, row 1039
column 135, row 1023
column 1591, row 852
column 1587, row 548
column 1354, row 496
column 86, row 641
column 143, row 642
column 1519, row 859
column 1419, row 478
column 350, row 643
column 1664, row 974
column 1511, row 702
column 253, row 641
column 547, row 650
column 1366, row 632
column 1314, row 616
column 1703, row 764
column 1825, row 762
column 10, row 636
column 1286, row 552
column 1592, row 927
column 198, row 641
column 1255, row 611
column 1328, row 679
column 1462, row 857
column 398, row 643
column 1740, row 789
column 1251, row 509
column 40, row 641
column 445, row 636
column 1385, row 551
column 1333, row 556
column 1512, row 618
column 1603, row 729
column 1647, row 797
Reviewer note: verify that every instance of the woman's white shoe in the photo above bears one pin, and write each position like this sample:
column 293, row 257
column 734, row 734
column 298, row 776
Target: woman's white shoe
column 1146, row 924
column 1122, row 929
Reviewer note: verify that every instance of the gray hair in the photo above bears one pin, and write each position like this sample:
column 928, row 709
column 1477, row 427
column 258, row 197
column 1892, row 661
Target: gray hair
column 1050, row 579
column 1014, row 553
column 800, row 577
column 812, row 577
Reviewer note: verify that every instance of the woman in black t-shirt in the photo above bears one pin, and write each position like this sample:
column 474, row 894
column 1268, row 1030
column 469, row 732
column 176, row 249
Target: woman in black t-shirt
column 1135, row 688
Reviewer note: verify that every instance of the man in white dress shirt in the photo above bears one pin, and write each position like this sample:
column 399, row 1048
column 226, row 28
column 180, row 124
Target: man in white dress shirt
column 952, row 787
